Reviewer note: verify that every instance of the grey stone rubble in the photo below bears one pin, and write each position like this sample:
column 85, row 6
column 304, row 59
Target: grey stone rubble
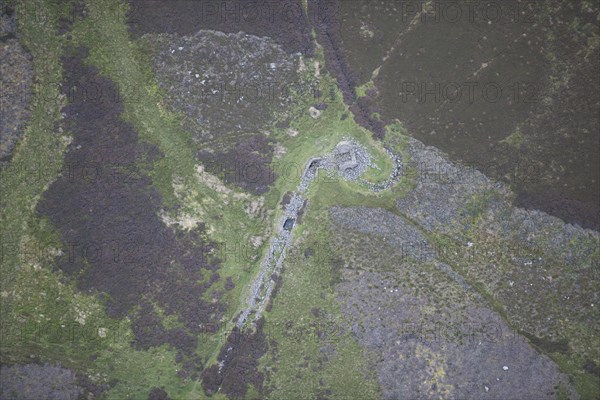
column 349, row 160
column 263, row 284
column 224, row 83
column 399, row 233
column 8, row 24
column 16, row 77
column 526, row 258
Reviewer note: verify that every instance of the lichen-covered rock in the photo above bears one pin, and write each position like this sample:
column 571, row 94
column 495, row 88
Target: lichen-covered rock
column 224, row 84
column 8, row 24
column 232, row 89
column 33, row 381
column 15, row 91
column 281, row 20
column 443, row 189
column 429, row 333
column 540, row 273
column 395, row 230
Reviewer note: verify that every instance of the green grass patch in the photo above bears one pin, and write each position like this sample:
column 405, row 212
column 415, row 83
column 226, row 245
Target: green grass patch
column 362, row 90
column 515, row 139
column 303, row 310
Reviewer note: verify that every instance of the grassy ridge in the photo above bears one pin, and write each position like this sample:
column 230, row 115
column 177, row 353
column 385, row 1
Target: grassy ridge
column 303, row 310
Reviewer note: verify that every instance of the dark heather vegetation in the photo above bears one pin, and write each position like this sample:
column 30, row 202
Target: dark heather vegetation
column 285, row 200
column 541, row 135
column 158, row 394
column 282, row 20
column 238, row 358
column 16, row 76
column 230, row 112
column 116, row 245
column 247, row 165
column 327, row 28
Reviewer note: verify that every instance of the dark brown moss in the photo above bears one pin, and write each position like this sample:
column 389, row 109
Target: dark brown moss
column 286, row 200
column 246, row 166
column 229, row 285
column 282, row 20
column 158, row 394
column 115, row 244
column 328, row 36
column 239, row 359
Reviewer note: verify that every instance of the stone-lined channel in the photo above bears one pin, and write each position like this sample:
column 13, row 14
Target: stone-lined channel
column 350, row 160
